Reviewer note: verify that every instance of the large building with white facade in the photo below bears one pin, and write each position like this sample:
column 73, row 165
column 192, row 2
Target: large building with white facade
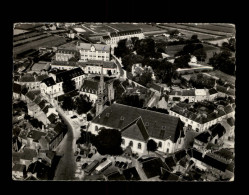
column 53, row 84
column 66, row 54
column 90, row 51
column 201, row 120
column 114, row 37
column 138, row 125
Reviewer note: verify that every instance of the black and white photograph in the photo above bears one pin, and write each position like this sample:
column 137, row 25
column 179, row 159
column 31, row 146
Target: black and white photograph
column 121, row 101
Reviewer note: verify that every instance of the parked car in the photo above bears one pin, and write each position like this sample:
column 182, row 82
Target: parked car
column 90, row 155
column 117, row 163
column 76, row 153
column 121, row 164
column 103, row 160
column 84, row 165
column 74, row 116
column 78, row 158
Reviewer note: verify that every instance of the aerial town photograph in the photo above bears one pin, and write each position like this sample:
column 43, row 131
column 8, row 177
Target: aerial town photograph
column 123, row 102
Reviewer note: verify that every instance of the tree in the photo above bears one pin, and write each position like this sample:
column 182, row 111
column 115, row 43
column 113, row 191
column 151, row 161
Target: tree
column 68, row 85
column 224, row 62
column 200, row 54
column 174, row 32
column 151, row 145
column 68, row 103
column 108, row 141
column 194, row 37
column 35, row 123
column 82, row 104
column 182, row 61
column 121, row 50
column 145, row 78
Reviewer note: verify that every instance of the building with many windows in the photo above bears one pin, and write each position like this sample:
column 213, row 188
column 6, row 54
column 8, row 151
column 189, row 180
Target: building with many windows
column 90, row 51
column 114, row 37
column 137, row 126
column 53, row 84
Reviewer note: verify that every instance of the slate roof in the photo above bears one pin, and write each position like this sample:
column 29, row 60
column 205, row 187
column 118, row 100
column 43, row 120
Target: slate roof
column 131, row 174
column 24, row 90
column 31, row 95
column 42, row 104
column 61, row 77
column 52, row 118
column 158, row 125
column 49, row 81
column 136, row 130
column 17, row 88
column 64, row 63
column 231, row 121
column 175, row 92
column 40, row 66
column 127, row 32
column 210, row 161
column 153, row 167
column 221, row 89
column 166, row 175
column 228, row 109
column 188, row 92
column 67, row 51
column 180, row 154
column 28, row 154
column 156, row 87
column 27, row 78
column 45, row 109
column 19, row 167
column 35, row 135
column 41, row 77
column 106, row 64
column 90, row 84
column 170, row 162
column 116, row 176
column 59, row 128
column 98, row 47
column 212, row 91
column 37, row 100
column 203, row 137
column 223, row 152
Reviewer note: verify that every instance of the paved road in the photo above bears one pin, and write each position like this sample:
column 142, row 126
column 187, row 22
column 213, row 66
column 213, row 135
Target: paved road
column 67, row 165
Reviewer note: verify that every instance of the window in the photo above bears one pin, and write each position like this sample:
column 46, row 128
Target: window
column 96, row 128
column 123, row 141
column 159, row 144
column 131, row 143
column 139, row 145
column 167, row 150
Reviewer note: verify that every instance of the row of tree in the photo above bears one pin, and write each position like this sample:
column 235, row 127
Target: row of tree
column 81, row 104
column 108, row 141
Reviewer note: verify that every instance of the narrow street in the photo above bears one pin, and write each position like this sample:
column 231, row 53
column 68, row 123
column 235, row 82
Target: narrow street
column 67, row 165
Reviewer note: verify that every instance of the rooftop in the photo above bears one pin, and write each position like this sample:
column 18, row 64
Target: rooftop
column 98, row 47
column 158, row 125
column 19, row 167
column 40, row 66
column 106, row 64
column 35, row 135
column 61, row 77
column 17, row 88
column 90, row 84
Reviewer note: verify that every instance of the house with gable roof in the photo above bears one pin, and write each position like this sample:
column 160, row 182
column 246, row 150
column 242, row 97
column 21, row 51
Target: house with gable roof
column 138, row 125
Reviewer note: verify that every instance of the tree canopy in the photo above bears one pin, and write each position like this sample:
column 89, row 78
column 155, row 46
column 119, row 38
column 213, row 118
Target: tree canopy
column 199, row 81
column 151, row 145
column 68, row 85
column 182, row 61
column 68, row 103
column 224, row 62
column 108, row 141
column 82, row 104
column 131, row 100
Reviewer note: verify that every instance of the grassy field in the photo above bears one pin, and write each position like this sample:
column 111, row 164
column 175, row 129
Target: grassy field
column 25, row 36
column 99, row 28
column 223, row 76
column 30, row 39
column 26, row 26
column 52, row 41
column 197, row 29
column 212, row 27
column 173, row 49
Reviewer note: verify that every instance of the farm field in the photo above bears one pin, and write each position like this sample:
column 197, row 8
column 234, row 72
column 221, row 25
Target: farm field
column 26, row 26
column 196, row 29
column 210, row 50
column 25, row 35
column 188, row 34
column 212, row 27
column 19, row 31
column 30, row 39
column 52, row 41
column 173, row 49
column 223, row 76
